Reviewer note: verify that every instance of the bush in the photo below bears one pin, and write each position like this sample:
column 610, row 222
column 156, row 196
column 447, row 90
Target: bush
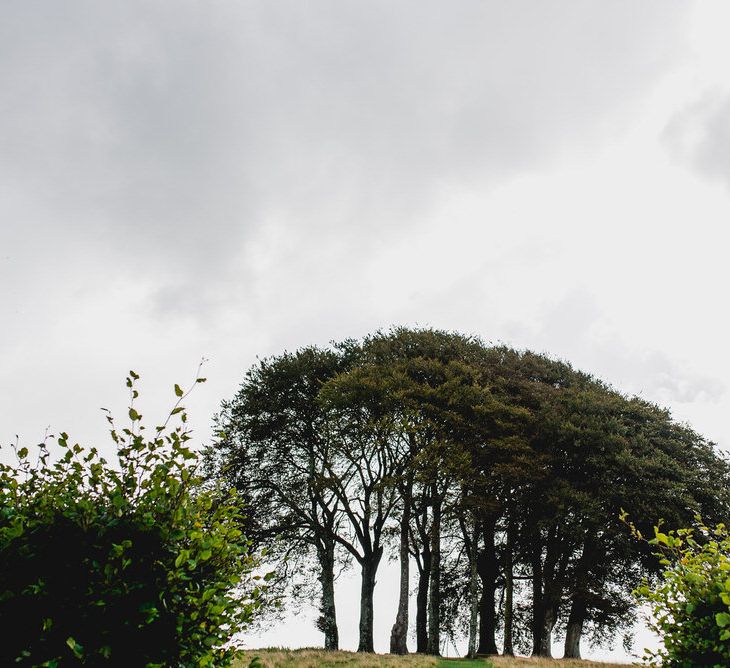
column 691, row 602
column 132, row 564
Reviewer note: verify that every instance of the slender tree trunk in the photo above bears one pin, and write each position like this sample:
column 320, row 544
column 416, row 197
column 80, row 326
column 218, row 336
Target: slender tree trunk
column 473, row 590
column 422, row 601
column 508, row 649
column 434, row 598
column 399, row 632
column 537, row 602
column 369, row 568
column 328, row 621
column 548, row 583
column 488, row 571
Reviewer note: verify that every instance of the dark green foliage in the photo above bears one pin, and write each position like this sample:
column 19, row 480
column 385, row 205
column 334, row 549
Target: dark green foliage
column 132, row 564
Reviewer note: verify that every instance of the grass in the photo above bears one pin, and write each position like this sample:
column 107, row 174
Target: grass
column 317, row 658
column 313, row 658
column 523, row 662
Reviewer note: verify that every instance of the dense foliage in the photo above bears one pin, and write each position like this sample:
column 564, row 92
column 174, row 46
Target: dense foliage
column 690, row 604
column 498, row 473
column 131, row 563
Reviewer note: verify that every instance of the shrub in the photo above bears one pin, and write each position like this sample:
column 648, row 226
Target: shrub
column 132, row 564
column 690, row 604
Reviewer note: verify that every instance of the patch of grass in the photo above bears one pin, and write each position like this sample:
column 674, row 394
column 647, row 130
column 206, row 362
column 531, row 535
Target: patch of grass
column 318, row 658
column 530, row 662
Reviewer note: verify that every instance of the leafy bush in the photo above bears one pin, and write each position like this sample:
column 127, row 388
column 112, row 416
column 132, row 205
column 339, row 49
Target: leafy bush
column 691, row 602
column 132, row 564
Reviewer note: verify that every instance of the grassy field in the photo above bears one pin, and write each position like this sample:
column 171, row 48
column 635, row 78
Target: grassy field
column 313, row 658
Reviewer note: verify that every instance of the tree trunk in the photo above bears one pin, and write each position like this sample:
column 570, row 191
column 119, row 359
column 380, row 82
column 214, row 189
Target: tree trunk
column 328, row 621
column 508, row 649
column 369, row 568
column 422, row 601
column 578, row 608
column 574, row 630
column 488, row 571
column 473, row 589
column 434, row 598
column 547, row 623
column 546, row 614
column 537, row 602
column 399, row 632
column 547, row 585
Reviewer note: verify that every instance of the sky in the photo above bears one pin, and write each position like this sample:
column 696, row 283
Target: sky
column 229, row 179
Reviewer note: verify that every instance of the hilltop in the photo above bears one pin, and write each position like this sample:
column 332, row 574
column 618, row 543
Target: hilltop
column 316, row 658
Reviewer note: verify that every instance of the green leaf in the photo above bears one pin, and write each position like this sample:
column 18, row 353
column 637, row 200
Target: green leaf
column 77, row 649
column 722, row 619
column 662, row 538
column 178, row 390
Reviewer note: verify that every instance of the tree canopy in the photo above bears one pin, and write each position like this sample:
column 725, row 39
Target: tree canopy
column 499, row 473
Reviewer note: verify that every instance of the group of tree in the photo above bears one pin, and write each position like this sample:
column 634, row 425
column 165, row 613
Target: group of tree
column 500, row 474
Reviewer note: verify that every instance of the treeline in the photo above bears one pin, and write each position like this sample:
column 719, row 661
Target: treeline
column 499, row 474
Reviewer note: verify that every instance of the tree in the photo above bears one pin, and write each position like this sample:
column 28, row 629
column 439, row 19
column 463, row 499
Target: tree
column 360, row 473
column 437, row 398
column 411, row 376
column 275, row 449
column 630, row 454
column 602, row 450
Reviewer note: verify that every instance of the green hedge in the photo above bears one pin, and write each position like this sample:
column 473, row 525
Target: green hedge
column 129, row 563
column 690, row 604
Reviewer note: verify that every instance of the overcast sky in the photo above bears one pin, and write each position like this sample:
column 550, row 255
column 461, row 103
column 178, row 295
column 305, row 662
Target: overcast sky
column 231, row 178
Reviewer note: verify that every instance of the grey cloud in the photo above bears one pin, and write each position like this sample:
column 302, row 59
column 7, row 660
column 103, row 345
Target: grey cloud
column 574, row 327
column 177, row 130
column 699, row 135
column 670, row 382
